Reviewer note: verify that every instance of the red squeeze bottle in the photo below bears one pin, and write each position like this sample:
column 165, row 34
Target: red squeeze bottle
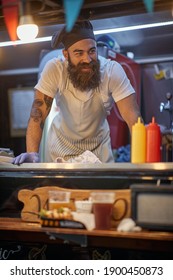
column 153, row 142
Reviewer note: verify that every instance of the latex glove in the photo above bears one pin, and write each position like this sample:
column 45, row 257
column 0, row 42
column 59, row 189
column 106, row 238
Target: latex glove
column 26, row 157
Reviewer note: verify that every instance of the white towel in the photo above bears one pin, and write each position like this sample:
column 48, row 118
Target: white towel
column 86, row 157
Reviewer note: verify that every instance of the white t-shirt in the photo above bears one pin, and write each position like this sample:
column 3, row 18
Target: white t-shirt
column 114, row 84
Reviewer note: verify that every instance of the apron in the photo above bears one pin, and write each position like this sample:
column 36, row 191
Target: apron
column 80, row 125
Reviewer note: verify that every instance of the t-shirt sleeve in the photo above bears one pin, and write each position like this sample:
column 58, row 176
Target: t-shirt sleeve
column 50, row 78
column 119, row 83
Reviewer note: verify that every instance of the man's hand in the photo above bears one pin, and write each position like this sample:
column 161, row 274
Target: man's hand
column 26, row 157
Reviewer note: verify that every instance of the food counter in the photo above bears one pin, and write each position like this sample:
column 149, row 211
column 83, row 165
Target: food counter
column 31, row 241
column 23, row 237
column 82, row 176
column 105, row 175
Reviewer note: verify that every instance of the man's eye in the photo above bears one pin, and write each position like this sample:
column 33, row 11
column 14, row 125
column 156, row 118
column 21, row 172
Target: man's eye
column 78, row 53
column 93, row 51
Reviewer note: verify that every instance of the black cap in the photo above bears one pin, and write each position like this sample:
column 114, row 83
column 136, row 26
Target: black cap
column 81, row 30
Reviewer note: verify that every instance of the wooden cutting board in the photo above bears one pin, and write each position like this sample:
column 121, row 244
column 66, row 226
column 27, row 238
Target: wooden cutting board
column 37, row 199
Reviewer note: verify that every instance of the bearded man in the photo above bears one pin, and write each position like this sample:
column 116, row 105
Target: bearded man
column 86, row 86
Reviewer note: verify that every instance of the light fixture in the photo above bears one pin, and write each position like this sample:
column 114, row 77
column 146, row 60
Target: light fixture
column 133, row 27
column 27, row 30
column 97, row 32
column 19, row 42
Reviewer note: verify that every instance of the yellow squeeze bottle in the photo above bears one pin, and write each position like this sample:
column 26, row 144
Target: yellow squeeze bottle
column 138, row 142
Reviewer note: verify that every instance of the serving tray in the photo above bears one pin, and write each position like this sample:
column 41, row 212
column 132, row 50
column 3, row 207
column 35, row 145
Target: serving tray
column 61, row 223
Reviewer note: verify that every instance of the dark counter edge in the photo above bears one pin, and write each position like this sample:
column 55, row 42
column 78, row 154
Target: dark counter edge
column 119, row 170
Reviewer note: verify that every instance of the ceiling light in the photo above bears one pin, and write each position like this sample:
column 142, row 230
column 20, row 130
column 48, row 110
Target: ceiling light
column 19, row 42
column 27, row 30
column 133, row 27
column 97, row 32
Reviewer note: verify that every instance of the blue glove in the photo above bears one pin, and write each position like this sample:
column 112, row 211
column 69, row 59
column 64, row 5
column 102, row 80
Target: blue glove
column 26, row 157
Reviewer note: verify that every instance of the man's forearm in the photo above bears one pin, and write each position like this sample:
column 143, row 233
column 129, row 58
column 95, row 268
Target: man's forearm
column 35, row 124
column 33, row 137
column 40, row 109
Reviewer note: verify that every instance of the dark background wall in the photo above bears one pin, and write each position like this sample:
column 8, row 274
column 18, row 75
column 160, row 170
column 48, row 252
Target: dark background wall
column 18, row 68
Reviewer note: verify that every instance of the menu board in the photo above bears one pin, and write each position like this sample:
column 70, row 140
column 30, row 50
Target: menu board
column 20, row 103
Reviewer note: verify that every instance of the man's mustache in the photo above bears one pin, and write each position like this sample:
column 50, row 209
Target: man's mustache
column 84, row 64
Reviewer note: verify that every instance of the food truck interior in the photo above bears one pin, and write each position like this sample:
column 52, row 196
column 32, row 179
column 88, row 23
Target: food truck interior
column 142, row 44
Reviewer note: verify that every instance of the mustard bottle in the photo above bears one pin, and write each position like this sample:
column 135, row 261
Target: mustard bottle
column 138, row 142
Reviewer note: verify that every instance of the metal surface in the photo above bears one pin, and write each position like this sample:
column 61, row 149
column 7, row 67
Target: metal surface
column 82, row 176
column 77, row 239
column 71, row 170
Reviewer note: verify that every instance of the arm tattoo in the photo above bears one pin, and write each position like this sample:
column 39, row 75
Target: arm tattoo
column 48, row 101
column 36, row 112
column 42, row 125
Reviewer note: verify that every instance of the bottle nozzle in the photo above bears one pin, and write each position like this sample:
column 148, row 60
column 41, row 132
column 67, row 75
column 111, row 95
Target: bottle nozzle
column 153, row 119
column 139, row 119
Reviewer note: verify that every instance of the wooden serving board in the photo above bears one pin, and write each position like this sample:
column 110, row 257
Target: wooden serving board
column 37, row 199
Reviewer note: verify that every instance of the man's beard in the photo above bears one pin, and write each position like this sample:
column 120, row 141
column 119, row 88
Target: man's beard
column 84, row 81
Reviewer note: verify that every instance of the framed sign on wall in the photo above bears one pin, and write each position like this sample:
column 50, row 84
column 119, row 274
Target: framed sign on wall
column 20, row 103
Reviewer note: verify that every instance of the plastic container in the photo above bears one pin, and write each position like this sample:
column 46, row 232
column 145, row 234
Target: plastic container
column 153, row 142
column 83, row 206
column 138, row 142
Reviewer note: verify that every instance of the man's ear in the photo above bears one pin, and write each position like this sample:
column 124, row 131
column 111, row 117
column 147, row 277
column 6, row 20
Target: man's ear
column 65, row 53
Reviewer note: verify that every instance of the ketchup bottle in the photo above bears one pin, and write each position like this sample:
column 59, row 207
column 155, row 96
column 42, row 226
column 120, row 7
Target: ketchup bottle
column 153, row 142
column 138, row 142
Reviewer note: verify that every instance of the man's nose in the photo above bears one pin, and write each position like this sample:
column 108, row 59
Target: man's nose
column 86, row 58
